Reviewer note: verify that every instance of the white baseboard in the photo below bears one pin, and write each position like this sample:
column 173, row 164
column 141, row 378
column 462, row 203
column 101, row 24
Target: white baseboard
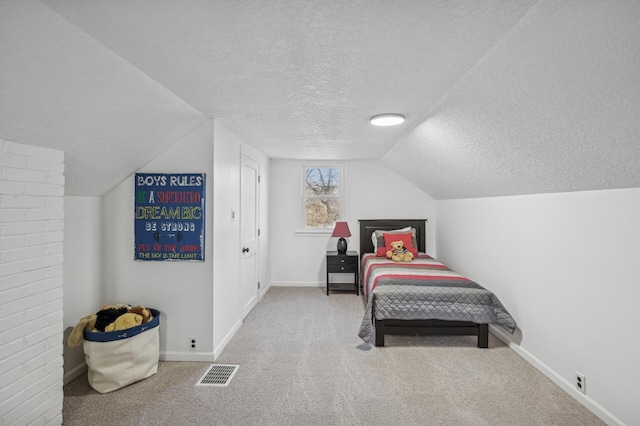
column 298, row 284
column 187, row 356
column 604, row 415
column 164, row 356
column 263, row 291
column 218, row 350
column 75, row 372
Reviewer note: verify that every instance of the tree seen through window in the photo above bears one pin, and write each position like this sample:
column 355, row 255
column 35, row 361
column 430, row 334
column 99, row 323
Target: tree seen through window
column 322, row 196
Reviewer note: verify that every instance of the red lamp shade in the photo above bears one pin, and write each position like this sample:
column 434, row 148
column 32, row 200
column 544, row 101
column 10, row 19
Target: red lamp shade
column 341, row 230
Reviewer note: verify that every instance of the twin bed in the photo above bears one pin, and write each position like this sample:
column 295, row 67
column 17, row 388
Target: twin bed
column 421, row 297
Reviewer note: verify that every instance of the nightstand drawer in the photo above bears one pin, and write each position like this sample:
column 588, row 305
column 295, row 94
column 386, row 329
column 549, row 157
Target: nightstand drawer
column 342, row 260
column 346, row 268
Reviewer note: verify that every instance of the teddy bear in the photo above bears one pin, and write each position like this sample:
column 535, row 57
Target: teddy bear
column 145, row 313
column 399, row 253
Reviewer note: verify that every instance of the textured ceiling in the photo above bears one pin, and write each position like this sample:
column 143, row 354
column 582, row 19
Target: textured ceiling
column 62, row 89
column 501, row 97
column 553, row 107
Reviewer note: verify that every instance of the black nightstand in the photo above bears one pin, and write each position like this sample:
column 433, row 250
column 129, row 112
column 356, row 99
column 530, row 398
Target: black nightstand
column 343, row 264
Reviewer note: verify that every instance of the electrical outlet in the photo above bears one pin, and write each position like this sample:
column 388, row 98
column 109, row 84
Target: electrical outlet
column 581, row 383
column 193, row 343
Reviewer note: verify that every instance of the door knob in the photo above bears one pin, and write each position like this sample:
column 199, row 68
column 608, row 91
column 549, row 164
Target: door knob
column 245, row 249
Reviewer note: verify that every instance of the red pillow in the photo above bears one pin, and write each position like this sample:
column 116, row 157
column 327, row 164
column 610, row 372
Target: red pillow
column 406, row 241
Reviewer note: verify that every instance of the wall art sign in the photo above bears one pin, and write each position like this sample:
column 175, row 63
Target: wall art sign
column 169, row 216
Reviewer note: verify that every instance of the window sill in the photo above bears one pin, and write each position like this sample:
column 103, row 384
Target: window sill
column 314, row 232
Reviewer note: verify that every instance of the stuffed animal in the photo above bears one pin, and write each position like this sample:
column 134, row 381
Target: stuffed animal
column 109, row 318
column 124, row 321
column 108, row 314
column 143, row 312
column 86, row 323
column 399, row 253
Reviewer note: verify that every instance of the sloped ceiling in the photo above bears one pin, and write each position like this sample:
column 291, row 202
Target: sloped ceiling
column 554, row 106
column 62, row 89
column 501, row 97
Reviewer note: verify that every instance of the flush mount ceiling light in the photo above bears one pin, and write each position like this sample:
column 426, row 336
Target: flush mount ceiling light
column 387, row 119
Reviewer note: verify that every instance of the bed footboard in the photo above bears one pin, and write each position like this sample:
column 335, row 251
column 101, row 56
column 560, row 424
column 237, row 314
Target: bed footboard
column 431, row 328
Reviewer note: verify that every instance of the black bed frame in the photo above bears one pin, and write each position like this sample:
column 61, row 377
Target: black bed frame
column 415, row 327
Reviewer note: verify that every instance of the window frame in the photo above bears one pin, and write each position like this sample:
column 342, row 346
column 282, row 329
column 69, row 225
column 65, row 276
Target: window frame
column 340, row 197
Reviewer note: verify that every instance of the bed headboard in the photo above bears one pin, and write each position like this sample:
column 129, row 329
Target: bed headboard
column 368, row 226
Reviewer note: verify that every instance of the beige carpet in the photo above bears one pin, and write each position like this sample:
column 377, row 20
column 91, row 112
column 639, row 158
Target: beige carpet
column 302, row 363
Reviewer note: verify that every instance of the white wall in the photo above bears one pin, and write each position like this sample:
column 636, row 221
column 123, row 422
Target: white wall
column 566, row 267
column 31, row 256
column 228, row 149
column 198, row 299
column 226, row 271
column 372, row 191
column 83, row 292
column 182, row 291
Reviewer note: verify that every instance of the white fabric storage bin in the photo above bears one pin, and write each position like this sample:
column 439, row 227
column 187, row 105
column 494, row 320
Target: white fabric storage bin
column 118, row 358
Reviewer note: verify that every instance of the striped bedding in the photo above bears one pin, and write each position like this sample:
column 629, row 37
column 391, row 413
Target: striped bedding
column 424, row 289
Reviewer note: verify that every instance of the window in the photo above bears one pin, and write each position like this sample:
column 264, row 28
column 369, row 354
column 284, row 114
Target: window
column 322, row 196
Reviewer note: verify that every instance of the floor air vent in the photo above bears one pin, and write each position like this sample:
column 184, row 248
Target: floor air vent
column 218, row 375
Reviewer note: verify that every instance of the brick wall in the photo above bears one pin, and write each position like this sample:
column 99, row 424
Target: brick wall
column 31, row 236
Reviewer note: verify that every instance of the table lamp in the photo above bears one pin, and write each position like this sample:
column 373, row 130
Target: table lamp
column 341, row 230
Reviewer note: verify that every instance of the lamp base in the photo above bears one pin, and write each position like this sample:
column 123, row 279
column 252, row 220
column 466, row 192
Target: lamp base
column 342, row 246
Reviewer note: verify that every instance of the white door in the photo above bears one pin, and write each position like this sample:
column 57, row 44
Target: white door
column 249, row 292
